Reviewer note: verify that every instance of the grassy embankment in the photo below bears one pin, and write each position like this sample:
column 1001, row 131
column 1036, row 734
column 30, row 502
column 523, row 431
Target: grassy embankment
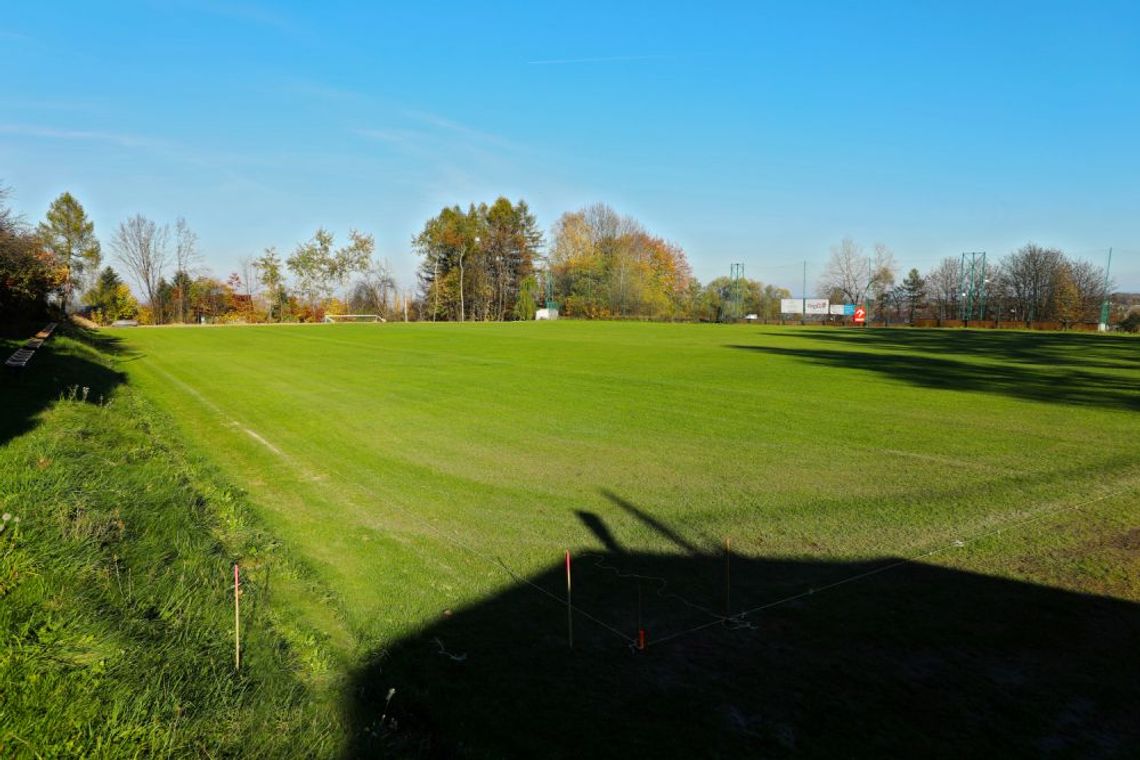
column 116, row 616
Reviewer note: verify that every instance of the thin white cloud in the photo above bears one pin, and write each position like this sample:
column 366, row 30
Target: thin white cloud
column 451, row 157
column 425, row 121
column 53, row 133
column 440, row 122
column 599, row 59
column 174, row 152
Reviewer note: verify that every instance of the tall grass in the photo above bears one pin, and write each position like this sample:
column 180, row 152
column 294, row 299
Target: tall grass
column 116, row 595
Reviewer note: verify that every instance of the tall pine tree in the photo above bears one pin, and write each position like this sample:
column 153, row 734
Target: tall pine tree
column 70, row 236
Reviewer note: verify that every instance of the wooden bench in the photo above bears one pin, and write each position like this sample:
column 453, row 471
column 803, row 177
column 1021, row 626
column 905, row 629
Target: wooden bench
column 20, row 359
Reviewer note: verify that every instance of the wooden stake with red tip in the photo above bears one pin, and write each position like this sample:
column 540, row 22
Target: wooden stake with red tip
column 237, row 620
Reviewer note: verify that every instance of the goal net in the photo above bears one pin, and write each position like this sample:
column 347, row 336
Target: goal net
column 332, row 318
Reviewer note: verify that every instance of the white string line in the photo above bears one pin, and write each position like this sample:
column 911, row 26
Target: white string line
column 875, row 571
column 455, row 541
column 555, row 597
column 507, row 569
column 661, row 584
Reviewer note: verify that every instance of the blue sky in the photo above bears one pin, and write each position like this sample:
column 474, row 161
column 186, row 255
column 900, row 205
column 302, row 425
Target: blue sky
column 753, row 132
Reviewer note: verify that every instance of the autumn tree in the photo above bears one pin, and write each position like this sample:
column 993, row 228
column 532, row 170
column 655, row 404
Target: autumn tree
column 70, row 236
column 209, row 297
column 272, row 278
column 238, row 294
column 110, row 298
column 1091, row 290
column 28, row 273
column 509, row 244
column 606, row 264
column 473, row 262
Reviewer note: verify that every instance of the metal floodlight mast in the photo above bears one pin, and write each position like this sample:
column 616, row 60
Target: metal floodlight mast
column 735, row 290
column 1104, row 307
column 972, row 285
column 550, row 304
column 985, row 281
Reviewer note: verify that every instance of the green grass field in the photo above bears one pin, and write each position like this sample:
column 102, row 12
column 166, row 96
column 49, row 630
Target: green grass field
column 406, row 462
column 421, row 475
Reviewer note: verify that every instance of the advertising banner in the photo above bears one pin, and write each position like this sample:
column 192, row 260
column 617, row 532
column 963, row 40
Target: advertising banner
column 791, row 306
column 817, row 306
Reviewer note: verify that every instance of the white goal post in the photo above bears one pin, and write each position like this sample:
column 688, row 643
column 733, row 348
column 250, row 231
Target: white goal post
column 335, row 318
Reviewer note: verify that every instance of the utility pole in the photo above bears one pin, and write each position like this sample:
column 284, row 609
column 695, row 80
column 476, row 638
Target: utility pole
column 803, row 297
column 871, row 274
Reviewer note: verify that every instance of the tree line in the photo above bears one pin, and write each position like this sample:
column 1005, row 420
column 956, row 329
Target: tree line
column 1031, row 284
column 493, row 262
column 60, row 261
column 487, row 262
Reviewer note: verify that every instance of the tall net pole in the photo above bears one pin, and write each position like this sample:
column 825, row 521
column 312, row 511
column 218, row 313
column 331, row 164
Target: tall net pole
column 1104, row 307
column 973, row 285
column 985, row 277
column 735, row 291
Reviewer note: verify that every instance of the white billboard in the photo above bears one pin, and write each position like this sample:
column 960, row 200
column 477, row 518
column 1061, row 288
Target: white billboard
column 803, row 306
column 816, row 306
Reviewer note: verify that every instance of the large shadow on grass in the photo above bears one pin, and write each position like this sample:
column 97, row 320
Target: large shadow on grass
column 916, row 660
column 54, row 371
column 1113, row 351
column 1083, row 370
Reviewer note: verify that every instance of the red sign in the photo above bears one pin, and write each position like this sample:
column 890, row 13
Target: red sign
column 860, row 315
